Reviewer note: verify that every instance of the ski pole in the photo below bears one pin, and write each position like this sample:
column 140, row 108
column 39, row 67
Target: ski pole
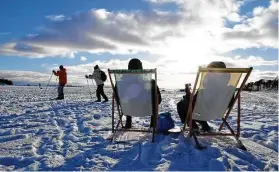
column 89, row 89
column 48, row 84
column 93, row 83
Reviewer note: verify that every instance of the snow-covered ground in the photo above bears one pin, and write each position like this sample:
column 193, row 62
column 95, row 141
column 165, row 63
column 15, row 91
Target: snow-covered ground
column 70, row 134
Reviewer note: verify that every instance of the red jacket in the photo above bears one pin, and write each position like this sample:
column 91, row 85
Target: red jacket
column 62, row 76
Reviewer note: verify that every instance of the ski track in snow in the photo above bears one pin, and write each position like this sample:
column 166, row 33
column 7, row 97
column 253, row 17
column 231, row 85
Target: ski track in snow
column 70, row 134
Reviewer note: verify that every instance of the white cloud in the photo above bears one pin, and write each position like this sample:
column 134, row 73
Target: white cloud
column 257, row 75
column 234, row 17
column 154, row 31
column 4, row 33
column 259, row 31
column 193, row 34
column 26, row 76
column 258, row 11
column 163, row 1
column 59, row 17
column 83, row 58
column 171, row 73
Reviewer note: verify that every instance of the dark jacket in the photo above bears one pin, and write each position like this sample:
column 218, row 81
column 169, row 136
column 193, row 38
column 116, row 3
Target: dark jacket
column 183, row 105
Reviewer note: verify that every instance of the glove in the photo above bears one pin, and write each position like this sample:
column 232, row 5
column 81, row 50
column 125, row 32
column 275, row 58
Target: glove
column 86, row 76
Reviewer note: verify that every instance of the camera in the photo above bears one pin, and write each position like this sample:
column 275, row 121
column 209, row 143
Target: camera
column 188, row 85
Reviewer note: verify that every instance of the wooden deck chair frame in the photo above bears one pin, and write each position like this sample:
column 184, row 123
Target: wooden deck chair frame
column 115, row 103
column 236, row 134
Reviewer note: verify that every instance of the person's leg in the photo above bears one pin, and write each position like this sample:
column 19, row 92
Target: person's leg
column 128, row 122
column 152, row 122
column 98, row 93
column 103, row 93
column 62, row 91
column 204, row 124
column 194, row 124
column 59, row 91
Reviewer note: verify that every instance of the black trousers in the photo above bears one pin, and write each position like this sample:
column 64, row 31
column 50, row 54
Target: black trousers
column 100, row 91
column 60, row 91
column 203, row 124
column 129, row 121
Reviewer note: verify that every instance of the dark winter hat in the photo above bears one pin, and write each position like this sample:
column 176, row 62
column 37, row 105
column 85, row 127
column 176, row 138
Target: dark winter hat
column 135, row 64
column 96, row 67
column 61, row 67
column 217, row 64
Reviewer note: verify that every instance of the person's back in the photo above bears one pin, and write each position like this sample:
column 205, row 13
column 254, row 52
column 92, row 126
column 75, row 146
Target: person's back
column 97, row 75
column 135, row 93
column 211, row 87
column 62, row 74
column 215, row 91
column 135, row 64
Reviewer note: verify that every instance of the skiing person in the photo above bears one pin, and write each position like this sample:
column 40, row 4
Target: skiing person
column 40, row 86
column 62, row 81
column 100, row 77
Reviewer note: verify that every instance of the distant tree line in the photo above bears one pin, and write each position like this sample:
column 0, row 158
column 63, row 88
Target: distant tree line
column 6, row 82
column 262, row 85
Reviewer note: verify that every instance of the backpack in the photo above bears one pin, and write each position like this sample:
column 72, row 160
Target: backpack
column 103, row 76
column 165, row 122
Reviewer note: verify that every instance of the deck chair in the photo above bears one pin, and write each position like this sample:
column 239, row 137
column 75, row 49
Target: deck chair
column 132, row 94
column 217, row 91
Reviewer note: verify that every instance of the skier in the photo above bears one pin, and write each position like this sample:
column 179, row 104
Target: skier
column 100, row 77
column 62, row 81
column 40, row 86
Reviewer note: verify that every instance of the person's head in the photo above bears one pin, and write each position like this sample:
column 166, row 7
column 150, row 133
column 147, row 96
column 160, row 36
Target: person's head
column 216, row 64
column 221, row 79
column 96, row 67
column 134, row 64
column 61, row 67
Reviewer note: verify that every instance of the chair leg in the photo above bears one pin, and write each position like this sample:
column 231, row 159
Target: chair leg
column 120, row 119
column 198, row 145
column 112, row 138
column 238, row 142
column 240, row 145
column 153, row 136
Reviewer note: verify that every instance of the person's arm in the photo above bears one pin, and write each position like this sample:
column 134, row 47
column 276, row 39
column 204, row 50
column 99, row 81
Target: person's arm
column 159, row 98
column 55, row 73
column 116, row 95
column 159, row 95
column 90, row 76
column 96, row 75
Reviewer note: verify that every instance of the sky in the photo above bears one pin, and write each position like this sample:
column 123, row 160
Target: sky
column 174, row 36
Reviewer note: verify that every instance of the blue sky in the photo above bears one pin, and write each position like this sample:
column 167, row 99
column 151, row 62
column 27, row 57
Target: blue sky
column 38, row 36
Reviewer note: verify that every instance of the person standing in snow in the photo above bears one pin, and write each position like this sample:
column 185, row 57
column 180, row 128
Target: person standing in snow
column 100, row 77
column 62, row 74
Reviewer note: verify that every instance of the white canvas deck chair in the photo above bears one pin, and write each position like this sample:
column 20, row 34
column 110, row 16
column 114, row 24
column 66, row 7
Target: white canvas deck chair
column 217, row 91
column 133, row 88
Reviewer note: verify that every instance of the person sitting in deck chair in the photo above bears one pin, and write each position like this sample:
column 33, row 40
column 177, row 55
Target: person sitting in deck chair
column 137, row 90
column 210, row 82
